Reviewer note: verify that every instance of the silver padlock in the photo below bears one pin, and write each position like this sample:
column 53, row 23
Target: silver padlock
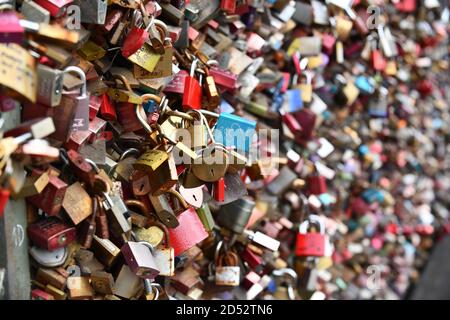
column 81, row 120
column 34, row 12
column 49, row 90
column 93, row 11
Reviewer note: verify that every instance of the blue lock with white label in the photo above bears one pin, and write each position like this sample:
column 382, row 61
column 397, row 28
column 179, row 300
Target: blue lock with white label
column 232, row 130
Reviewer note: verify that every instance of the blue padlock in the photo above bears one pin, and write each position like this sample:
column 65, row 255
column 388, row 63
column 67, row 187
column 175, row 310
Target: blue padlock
column 364, row 85
column 234, row 131
column 294, row 97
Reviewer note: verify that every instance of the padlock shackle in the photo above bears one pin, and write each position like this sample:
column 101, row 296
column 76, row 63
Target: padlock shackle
column 314, row 219
column 162, row 26
column 93, row 164
column 180, row 198
column 124, row 81
column 128, row 152
column 148, row 245
column 78, row 71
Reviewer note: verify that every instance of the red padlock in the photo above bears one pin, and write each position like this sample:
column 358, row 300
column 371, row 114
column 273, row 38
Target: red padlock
column 55, row 7
column 189, row 232
column 4, row 197
column 97, row 129
column 81, row 168
column 311, row 244
column 127, row 117
column 51, row 198
column 317, row 184
column 177, row 84
column 94, row 105
column 51, row 233
column 135, row 40
column 107, row 109
column 407, row 6
column 292, row 123
column 223, row 78
column 229, row 6
column 219, row 190
column 307, row 120
column 192, row 97
column 38, row 294
column 378, row 61
column 251, row 258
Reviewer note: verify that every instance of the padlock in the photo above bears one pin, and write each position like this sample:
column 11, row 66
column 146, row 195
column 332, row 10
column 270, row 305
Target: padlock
column 307, row 120
column 306, row 88
column 51, row 198
column 139, row 257
column 160, row 167
column 343, row 27
column 49, row 259
column 51, row 233
column 164, row 256
column 204, row 213
column 164, row 66
column 81, row 120
column 136, row 39
column 227, row 270
column 49, row 86
column 55, row 7
column 234, row 131
column 107, row 108
column 235, row 215
column 309, row 244
column 286, row 280
column 303, row 13
column 51, row 277
column 190, row 230
column 79, row 288
column 93, row 12
column 317, row 184
column 127, row 284
column 223, row 78
column 309, row 46
column 377, row 59
column 77, row 203
column 34, row 12
column 192, row 97
column 12, row 31
column 185, row 280
column 124, row 168
column 229, row 6
column 124, row 96
column 102, row 282
column 105, row 251
column 211, row 90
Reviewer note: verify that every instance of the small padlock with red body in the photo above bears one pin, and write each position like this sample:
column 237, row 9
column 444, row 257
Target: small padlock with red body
column 51, row 198
column 311, row 244
column 107, row 109
column 55, row 7
column 223, row 78
column 190, row 230
column 229, row 6
column 51, row 233
column 4, row 197
column 192, row 97
column 317, row 184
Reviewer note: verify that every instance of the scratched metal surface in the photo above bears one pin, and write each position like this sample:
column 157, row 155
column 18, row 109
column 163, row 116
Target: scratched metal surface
column 14, row 263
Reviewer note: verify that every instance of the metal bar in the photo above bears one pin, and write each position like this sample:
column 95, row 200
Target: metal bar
column 14, row 262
